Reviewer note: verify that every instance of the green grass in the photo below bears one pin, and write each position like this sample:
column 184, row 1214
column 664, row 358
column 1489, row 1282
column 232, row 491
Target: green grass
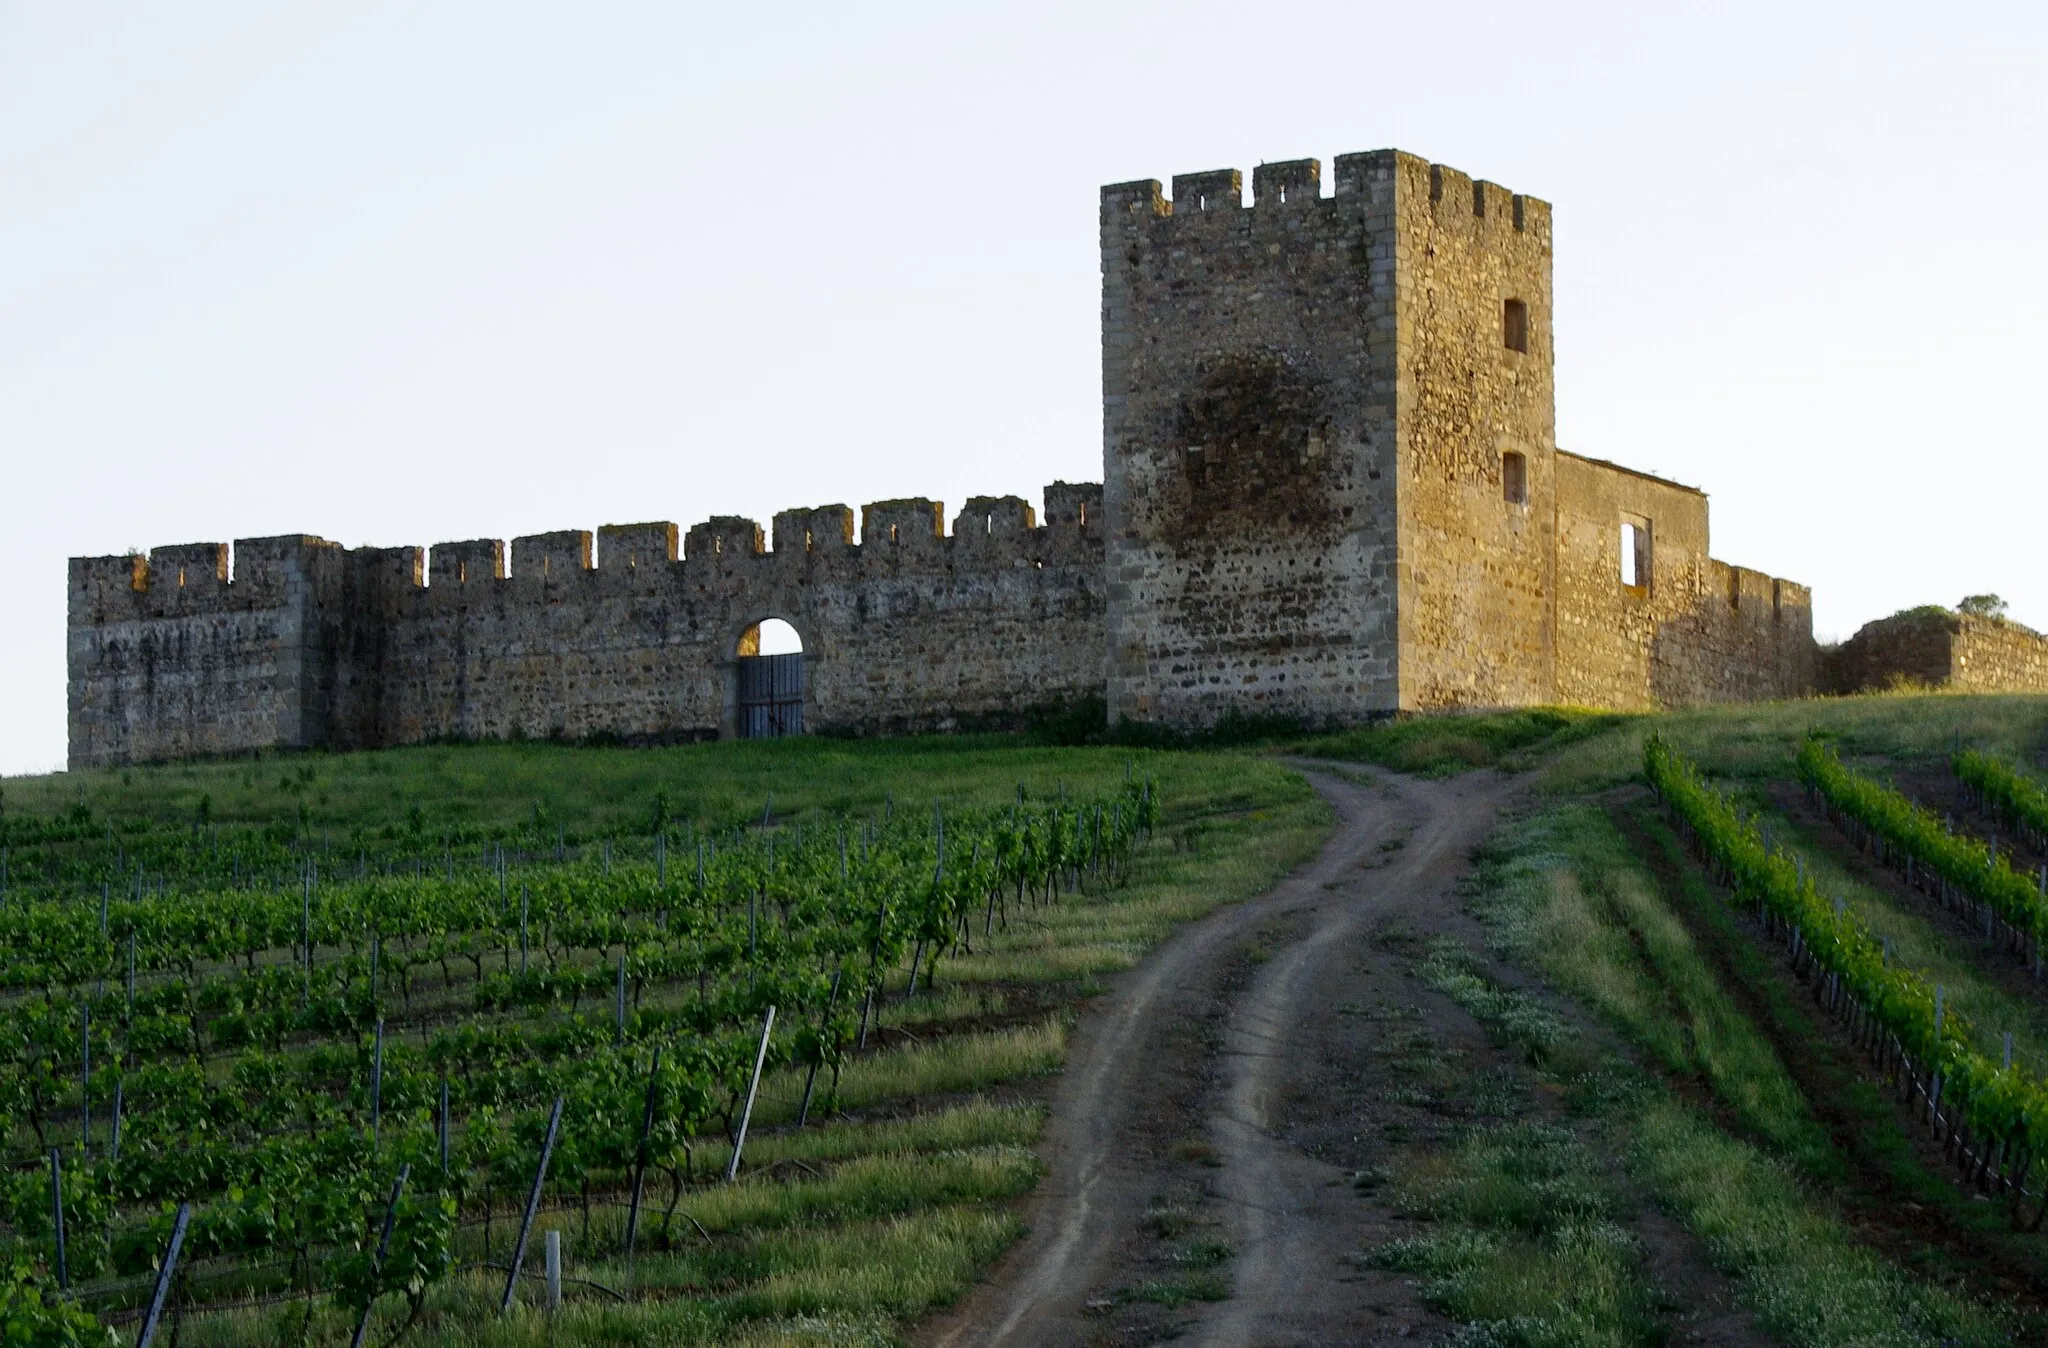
column 591, row 790
column 1524, row 1249
column 1443, row 744
column 1600, row 930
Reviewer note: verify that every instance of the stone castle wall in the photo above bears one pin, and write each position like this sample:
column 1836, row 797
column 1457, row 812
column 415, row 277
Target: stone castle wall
column 311, row 644
column 1697, row 630
column 1331, row 490
column 1939, row 649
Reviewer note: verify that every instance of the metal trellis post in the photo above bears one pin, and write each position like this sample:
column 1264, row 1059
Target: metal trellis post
column 540, row 1175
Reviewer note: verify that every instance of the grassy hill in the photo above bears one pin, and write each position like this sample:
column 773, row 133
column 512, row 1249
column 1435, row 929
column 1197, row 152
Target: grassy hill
column 1704, row 1080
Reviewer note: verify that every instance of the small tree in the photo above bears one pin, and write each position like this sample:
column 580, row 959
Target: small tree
column 1982, row 606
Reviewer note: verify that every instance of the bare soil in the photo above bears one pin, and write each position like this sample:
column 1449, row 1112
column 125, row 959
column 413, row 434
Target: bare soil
column 1218, row 1139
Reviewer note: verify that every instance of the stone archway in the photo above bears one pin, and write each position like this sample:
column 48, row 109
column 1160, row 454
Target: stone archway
column 768, row 669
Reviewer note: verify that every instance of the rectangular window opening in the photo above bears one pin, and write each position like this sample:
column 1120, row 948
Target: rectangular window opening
column 1514, row 478
column 1635, row 553
column 1514, row 325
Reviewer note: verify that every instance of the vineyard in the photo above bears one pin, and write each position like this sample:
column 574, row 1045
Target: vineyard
column 352, row 1086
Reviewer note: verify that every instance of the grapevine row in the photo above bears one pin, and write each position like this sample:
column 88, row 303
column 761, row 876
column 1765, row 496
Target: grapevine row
column 290, row 1149
column 1992, row 1117
column 1995, row 785
column 1960, row 871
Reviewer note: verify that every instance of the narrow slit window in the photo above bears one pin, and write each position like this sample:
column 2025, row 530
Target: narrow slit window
column 1514, row 478
column 1514, row 325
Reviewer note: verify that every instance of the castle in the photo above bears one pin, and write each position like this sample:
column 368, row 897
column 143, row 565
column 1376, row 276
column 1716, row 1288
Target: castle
column 1331, row 489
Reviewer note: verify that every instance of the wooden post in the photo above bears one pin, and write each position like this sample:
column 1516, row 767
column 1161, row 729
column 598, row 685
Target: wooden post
column 732, row 1169
column 540, row 1175
column 553, row 1245
column 164, row 1273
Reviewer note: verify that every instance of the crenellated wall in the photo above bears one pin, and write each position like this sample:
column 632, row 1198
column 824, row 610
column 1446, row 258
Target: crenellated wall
column 311, row 644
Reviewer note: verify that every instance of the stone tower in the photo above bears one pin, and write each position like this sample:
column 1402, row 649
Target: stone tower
column 1328, row 443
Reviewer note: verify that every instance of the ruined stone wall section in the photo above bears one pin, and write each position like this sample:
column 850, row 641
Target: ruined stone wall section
column 1248, row 445
column 1698, row 631
column 310, row 644
column 1939, row 649
column 1476, row 615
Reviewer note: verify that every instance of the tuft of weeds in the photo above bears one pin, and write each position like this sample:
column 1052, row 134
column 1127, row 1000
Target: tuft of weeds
column 1519, row 1176
column 1169, row 1221
column 1174, row 1293
column 1205, row 1254
column 1572, row 1286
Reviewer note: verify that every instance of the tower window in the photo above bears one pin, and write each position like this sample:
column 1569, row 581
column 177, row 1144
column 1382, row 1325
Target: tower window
column 1514, row 478
column 1514, row 325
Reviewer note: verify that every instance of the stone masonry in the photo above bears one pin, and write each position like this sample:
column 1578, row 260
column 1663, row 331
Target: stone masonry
column 1935, row 648
column 1331, row 490
column 1331, row 473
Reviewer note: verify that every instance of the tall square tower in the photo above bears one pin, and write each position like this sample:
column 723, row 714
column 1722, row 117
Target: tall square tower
column 1328, row 443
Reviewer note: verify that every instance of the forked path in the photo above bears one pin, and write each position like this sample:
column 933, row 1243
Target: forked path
column 1132, row 1102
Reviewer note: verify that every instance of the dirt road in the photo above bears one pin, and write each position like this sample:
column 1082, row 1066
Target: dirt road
column 1208, row 1098
column 1216, row 1141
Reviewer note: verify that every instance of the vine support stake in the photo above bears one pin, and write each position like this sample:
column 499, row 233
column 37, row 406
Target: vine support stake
column 164, row 1273
column 85, row 1081
column 803, row 1113
column 114, row 1142
column 621, row 1014
column 376, row 1084
column 739, row 1142
column 553, row 1246
column 443, row 1130
column 57, row 1217
column 383, row 1249
column 540, row 1175
column 640, row 1156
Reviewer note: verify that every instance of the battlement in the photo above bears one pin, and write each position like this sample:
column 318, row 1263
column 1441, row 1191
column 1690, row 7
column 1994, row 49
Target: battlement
column 257, row 573
column 1359, row 177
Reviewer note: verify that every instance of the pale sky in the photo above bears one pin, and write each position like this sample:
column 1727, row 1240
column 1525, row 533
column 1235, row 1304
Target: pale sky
column 409, row 272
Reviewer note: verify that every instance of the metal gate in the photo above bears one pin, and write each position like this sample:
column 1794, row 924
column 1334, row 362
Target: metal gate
column 771, row 696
